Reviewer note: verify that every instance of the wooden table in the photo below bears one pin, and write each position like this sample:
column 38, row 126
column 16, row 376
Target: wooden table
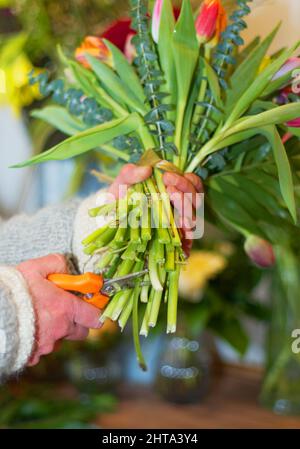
column 232, row 403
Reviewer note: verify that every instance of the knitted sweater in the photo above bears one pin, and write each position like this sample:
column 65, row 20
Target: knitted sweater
column 55, row 229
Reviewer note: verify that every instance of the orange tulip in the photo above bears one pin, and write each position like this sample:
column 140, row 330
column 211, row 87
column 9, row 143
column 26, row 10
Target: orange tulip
column 211, row 21
column 93, row 46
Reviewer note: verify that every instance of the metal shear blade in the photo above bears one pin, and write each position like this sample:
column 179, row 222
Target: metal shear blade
column 111, row 286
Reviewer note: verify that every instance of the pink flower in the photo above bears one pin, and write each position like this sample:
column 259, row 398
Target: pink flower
column 288, row 66
column 260, row 251
column 156, row 19
column 294, row 123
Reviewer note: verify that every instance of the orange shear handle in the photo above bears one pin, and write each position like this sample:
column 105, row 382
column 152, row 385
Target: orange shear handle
column 88, row 283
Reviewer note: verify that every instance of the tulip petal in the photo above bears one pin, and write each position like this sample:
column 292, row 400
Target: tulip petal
column 156, row 20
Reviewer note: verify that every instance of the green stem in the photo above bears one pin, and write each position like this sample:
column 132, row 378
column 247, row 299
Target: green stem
column 153, row 266
column 112, row 151
column 173, row 300
column 135, row 329
column 145, row 324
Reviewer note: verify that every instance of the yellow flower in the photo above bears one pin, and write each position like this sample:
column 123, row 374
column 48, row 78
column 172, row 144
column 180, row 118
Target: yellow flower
column 14, row 84
column 201, row 267
column 264, row 63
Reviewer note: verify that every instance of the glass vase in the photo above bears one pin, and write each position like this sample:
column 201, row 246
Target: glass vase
column 281, row 385
column 184, row 368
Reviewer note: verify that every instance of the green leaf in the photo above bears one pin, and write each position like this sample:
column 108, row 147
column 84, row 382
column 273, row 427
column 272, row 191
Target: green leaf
column 186, row 52
column 213, row 83
column 258, row 85
column 59, row 118
column 115, row 86
column 87, row 140
column 275, row 116
column 245, row 74
column 283, row 167
column 231, row 212
column 125, row 71
column 245, row 52
column 165, row 51
column 231, row 330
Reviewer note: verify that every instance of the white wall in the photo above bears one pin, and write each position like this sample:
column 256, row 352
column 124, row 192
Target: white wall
column 266, row 14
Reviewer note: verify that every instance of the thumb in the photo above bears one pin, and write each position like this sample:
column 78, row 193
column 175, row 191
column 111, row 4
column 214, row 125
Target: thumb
column 54, row 263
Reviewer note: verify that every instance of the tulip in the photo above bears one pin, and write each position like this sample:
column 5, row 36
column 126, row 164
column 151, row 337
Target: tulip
column 93, row 46
column 129, row 49
column 211, row 21
column 156, row 19
column 288, row 66
column 260, row 251
column 294, row 123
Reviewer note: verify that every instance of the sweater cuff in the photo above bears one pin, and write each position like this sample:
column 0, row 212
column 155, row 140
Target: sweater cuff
column 20, row 295
column 84, row 225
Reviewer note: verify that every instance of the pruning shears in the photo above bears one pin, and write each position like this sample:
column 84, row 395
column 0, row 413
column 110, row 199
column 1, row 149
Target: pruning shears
column 95, row 289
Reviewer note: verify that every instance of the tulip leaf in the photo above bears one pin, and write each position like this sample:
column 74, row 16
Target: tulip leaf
column 213, row 83
column 115, row 86
column 245, row 73
column 283, row 167
column 165, row 51
column 274, row 116
column 186, row 52
column 59, row 118
column 125, row 71
column 87, row 140
column 258, row 85
column 230, row 211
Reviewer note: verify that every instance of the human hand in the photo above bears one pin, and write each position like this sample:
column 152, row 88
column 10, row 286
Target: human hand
column 176, row 185
column 59, row 314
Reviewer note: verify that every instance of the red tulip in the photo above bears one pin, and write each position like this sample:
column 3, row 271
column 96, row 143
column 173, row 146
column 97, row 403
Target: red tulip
column 211, row 21
column 93, row 46
column 260, row 251
column 129, row 49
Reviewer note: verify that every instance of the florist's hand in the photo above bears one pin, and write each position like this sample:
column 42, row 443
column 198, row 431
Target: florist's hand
column 177, row 186
column 129, row 175
column 59, row 314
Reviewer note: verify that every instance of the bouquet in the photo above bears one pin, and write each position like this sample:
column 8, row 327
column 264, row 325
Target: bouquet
column 191, row 100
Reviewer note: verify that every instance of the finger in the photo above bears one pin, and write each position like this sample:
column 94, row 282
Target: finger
column 182, row 184
column 132, row 174
column 54, row 263
column 79, row 333
column 187, row 246
column 33, row 361
column 196, row 181
column 183, row 206
column 85, row 314
column 129, row 175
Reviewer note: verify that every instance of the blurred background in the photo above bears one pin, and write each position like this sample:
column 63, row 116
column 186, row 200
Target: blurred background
column 212, row 370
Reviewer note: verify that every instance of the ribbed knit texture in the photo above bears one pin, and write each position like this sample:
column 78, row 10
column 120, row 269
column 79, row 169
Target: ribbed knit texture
column 22, row 238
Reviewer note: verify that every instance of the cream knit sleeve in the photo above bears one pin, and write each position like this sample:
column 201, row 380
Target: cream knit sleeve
column 17, row 326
